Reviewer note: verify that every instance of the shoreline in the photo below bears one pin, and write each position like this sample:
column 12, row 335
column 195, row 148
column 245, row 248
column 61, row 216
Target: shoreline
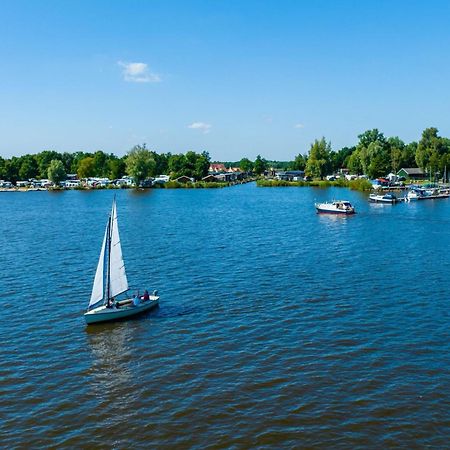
column 168, row 185
column 359, row 185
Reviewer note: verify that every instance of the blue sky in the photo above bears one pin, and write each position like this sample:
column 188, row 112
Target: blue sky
column 235, row 78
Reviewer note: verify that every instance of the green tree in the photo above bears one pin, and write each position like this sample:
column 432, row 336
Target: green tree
column 86, row 167
column 56, row 172
column 409, row 155
column 370, row 136
column 76, row 158
column 339, row 160
column 429, row 143
column 395, row 147
column 246, row 165
column 319, row 162
column 116, row 168
column 67, row 160
column 100, row 163
column 44, row 159
column 2, row 168
column 190, row 161
column 28, row 167
column 162, row 163
column 354, row 163
column 260, row 165
column 299, row 162
column 192, row 165
column 371, row 142
column 434, row 162
column 139, row 163
column 176, row 165
column 379, row 164
column 378, row 159
column 445, row 167
column 12, row 168
column 202, row 165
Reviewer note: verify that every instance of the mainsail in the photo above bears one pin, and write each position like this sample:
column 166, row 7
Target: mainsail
column 97, row 289
column 118, row 282
column 110, row 275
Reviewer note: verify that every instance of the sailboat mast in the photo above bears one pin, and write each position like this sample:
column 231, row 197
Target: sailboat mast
column 108, row 273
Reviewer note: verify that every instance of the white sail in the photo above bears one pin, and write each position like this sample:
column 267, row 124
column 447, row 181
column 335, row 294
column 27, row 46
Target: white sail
column 118, row 282
column 97, row 289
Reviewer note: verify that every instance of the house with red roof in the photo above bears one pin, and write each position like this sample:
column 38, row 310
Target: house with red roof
column 217, row 168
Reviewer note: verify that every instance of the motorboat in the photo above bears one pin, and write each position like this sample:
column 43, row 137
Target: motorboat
column 426, row 194
column 414, row 195
column 383, row 198
column 335, row 207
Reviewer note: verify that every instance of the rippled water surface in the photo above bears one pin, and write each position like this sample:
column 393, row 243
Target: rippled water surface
column 277, row 327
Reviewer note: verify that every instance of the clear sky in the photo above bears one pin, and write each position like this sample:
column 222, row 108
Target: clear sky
column 235, row 78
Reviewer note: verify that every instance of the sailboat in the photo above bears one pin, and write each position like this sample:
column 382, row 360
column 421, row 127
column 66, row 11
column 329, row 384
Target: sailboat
column 111, row 281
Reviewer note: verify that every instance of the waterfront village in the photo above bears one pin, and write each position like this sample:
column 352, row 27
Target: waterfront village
column 374, row 162
column 217, row 174
column 220, row 175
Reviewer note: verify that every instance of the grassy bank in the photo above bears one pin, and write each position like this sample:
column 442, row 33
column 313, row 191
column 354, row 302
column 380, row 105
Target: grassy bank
column 357, row 185
column 195, row 185
column 168, row 185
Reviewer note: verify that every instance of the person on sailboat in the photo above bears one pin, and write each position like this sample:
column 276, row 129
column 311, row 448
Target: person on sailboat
column 146, row 296
column 136, row 300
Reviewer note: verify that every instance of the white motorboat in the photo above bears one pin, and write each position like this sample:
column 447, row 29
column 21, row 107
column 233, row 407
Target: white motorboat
column 335, row 207
column 414, row 195
column 111, row 281
column 426, row 194
column 383, row 198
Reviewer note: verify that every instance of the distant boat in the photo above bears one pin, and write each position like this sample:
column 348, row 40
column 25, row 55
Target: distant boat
column 426, row 194
column 414, row 195
column 383, row 198
column 111, row 281
column 335, row 207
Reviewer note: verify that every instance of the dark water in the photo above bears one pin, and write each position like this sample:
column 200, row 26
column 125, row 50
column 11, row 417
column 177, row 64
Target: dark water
column 278, row 328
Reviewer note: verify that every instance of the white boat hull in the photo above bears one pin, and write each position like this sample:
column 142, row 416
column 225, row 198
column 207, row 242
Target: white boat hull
column 336, row 207
column 382, row 199
column 333, row 211
column 104, row 314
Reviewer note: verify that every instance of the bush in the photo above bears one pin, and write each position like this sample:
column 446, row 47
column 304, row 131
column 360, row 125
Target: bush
column 360, row 184
column 341, row 182
column 322, row 183
column 172, row 185
column 196, row 185
column 205, row 184
column 272, row 183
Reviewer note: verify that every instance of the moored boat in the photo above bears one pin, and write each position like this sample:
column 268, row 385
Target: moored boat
column 426, row 194
column 111, row 281
column 335, row 207
column 413, row 195
column 388, row 198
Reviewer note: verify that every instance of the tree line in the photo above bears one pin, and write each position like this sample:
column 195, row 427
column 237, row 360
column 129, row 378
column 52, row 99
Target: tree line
column 373, row 155
column 139, row 163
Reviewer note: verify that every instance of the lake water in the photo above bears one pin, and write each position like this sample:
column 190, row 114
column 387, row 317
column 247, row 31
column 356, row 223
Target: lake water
column 277, row 327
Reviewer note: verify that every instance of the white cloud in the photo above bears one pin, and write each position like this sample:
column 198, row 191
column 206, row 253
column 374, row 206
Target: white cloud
column 299, row 125
column 138, row 72
column 202, row 126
